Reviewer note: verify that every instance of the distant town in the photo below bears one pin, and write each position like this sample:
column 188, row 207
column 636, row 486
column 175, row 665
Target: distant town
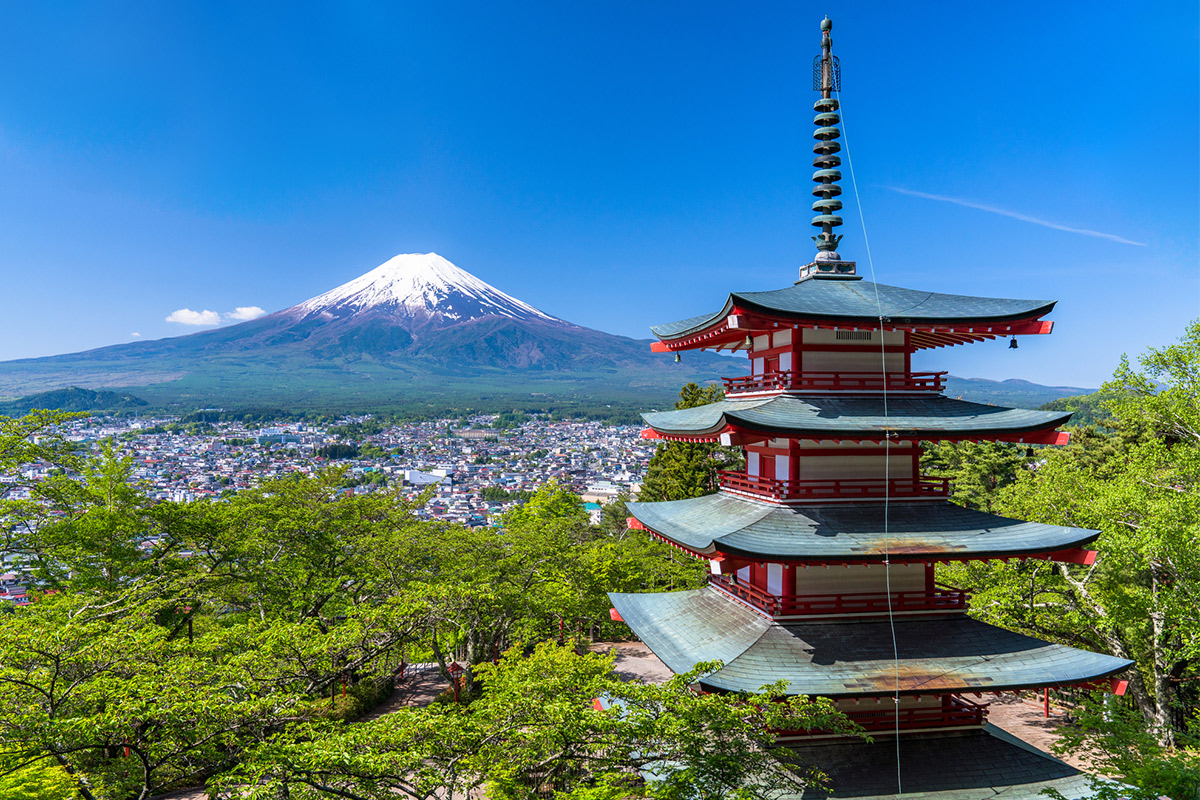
column 470, row 467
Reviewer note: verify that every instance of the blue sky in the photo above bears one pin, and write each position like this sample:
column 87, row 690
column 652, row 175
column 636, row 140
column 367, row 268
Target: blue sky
column 617, row 164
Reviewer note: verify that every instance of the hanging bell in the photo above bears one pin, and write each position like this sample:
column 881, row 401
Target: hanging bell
column 1012, row 343
column 678, row 358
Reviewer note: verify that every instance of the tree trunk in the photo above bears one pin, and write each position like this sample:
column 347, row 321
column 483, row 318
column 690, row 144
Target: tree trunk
column 1165, row 704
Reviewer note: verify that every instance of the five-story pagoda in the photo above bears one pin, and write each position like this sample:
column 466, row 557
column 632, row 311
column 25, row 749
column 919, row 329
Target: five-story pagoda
column 823, row 551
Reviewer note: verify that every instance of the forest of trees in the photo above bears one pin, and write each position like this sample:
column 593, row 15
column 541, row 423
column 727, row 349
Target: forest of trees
column 235, row 644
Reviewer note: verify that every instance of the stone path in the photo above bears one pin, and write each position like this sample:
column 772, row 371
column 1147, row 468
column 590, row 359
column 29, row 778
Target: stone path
column 1024, row 717
column 635, row 662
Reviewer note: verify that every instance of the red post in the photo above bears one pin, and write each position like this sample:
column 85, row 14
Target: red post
column 1046, row 700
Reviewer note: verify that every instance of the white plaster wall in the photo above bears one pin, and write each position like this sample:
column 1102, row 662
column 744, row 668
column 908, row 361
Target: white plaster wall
column 775, row 579
column 783, row 466
column 860, row 579
column 854, row 466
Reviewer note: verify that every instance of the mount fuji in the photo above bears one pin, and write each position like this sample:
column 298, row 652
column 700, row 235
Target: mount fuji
column 416, row 329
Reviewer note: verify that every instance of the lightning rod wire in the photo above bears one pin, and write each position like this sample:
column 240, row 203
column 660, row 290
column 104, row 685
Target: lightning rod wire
column 887, row 444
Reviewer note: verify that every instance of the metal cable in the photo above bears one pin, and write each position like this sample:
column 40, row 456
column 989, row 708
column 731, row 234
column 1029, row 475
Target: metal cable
column 887, row 444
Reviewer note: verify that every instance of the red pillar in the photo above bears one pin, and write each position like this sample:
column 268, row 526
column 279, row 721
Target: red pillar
column 1046, row 701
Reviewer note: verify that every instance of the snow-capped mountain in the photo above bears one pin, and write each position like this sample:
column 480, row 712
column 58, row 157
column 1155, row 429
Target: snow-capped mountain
column 415, row 327
column 420, row 286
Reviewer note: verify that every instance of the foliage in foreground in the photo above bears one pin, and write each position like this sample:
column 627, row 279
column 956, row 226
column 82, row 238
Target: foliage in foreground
column 1139, row 486
column 172, row 641
column 534, row 730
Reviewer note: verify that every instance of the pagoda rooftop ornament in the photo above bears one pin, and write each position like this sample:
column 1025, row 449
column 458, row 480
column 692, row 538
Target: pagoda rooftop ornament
column 827, row 79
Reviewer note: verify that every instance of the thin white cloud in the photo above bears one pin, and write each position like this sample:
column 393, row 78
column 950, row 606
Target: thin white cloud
column 135, row 335
column 243, row 313
column 185, row 316
column 958, row 201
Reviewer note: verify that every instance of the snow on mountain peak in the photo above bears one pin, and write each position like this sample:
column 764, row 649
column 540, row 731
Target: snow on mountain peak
column 422, row 285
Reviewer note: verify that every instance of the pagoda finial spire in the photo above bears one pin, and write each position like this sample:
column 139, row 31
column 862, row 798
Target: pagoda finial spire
column 827, row 78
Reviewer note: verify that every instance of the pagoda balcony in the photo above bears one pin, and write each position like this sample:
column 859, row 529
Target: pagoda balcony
column 955, row 712
column 836, row 382
column 835, row 488
column 942, row 598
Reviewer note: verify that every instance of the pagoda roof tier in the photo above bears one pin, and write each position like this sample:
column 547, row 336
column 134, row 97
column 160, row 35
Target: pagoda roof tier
column 862, row 303
column 849, row 532
column 963, row 765
column 861, row 418
column 845, row 659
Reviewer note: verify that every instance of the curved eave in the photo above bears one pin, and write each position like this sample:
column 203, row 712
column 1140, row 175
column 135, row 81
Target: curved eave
column 865, row 418
column 849, row 659
column 853, row 303
column 851, row 532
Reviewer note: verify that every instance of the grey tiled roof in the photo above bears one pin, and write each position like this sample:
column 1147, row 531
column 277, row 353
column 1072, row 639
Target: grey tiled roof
column 970, row 765
column 841, row 417
column 841, row 659
column 856, row 300
column 849, row 531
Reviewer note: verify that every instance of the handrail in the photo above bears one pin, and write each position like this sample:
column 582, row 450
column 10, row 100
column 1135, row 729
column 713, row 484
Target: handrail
column 834, row 488
column 942, row 598
column 836, row 381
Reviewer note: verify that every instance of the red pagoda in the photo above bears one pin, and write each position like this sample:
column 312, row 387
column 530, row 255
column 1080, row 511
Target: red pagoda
column 823, row 552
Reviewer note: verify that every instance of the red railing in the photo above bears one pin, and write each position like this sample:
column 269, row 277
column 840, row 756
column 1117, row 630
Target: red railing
column 942, row 598
column 835, row 488
column 955, row 711
column 836, row 382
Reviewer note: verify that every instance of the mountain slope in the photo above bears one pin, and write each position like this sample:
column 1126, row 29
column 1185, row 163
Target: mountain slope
column 414, row 328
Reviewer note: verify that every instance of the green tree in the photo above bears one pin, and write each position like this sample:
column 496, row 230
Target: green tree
column 535, row 728
column 977, row 470
column 681, row 470
column 1141, row 489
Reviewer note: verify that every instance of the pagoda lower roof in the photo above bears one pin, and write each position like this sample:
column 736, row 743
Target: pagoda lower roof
column 859, row 301
column 824, row 417
column 849, row 532
column 934, row 655
column 965, row 765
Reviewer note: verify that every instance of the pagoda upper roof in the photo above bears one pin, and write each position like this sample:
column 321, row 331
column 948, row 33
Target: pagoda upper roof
column 827, row 417
column 843, row 532
column 960, row 765
column 934, row 655
column 858, row 301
